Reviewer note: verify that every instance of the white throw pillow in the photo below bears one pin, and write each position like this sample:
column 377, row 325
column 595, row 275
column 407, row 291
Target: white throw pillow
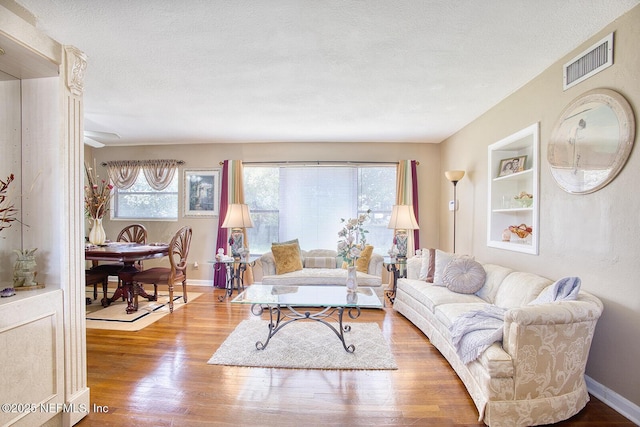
column 464, row 276
column 426, row 262
column 442, row 260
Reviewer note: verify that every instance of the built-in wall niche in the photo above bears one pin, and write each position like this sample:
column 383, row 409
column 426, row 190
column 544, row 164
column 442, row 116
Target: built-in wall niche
column 31, row 150
column 10, row 163
column 513, row 204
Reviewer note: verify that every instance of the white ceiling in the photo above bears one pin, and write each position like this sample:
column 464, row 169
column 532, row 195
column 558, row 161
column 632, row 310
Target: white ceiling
column 166, row 71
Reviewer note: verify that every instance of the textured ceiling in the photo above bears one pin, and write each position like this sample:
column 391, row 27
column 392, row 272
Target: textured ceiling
column 163, row 71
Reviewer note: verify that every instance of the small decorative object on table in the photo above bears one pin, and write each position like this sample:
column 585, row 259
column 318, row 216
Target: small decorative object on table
column 7, row 292
column 506, row 235
column 97, row 235
column 351, row 242
column 352, row 279
column 352, row 297
column 24, row 270
column 393, row 253
column 97, row 195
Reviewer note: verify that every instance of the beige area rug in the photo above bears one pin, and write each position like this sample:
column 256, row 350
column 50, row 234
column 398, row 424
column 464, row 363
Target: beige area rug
column 115, row 316
column 305, row 345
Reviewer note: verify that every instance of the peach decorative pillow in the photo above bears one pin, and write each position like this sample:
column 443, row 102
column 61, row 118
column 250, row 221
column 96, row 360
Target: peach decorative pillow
column 287, row 257
column 362, row 263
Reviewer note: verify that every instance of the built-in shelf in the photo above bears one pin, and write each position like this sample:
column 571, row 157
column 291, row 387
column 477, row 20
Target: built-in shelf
column 504, row 210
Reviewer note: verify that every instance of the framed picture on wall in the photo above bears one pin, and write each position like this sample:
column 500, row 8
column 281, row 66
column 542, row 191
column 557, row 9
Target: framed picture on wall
column 512, row 165
column 202, row 192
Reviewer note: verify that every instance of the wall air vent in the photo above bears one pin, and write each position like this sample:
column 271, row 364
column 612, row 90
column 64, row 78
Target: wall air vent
column 590, row 62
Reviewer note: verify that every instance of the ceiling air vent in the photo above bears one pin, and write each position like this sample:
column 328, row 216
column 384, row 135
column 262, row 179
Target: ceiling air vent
column 590, row 62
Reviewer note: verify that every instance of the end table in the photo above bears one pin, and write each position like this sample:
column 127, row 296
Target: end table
column 398, row 268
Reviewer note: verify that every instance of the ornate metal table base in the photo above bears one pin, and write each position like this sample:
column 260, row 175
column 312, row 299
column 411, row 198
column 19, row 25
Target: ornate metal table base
column 279, row 319
column 235, row 278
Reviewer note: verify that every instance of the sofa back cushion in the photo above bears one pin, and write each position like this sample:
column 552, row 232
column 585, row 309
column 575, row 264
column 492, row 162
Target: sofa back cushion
column 320, row 253
column 495, row 274
column 519, row 288
column 320, row 262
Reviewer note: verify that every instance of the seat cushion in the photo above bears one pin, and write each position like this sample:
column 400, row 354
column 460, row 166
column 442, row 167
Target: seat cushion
column 93, row 277
column 432, row 296
column 110, row 269
column 156, row 275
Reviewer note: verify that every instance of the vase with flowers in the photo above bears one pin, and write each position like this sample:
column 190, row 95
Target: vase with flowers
column 351, row 241
column 97, row 195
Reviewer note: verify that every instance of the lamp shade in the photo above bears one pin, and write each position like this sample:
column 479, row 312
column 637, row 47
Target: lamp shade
column 454, row 176
column 403, row 218
column 238, row 216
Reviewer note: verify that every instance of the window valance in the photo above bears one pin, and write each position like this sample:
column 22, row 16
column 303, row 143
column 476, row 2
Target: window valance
column 159, row 173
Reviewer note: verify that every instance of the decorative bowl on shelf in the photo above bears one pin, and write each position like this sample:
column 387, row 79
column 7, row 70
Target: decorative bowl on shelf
column 524, row 199
column 522, row 230
column 524, row 203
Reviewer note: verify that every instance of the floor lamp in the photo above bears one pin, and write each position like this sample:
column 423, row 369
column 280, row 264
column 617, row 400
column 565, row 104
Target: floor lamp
column 454, row 177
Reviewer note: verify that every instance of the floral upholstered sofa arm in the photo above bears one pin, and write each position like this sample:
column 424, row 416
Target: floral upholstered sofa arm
column 549, row 344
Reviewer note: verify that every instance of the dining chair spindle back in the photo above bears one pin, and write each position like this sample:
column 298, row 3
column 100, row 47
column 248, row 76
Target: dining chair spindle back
column 176, row 273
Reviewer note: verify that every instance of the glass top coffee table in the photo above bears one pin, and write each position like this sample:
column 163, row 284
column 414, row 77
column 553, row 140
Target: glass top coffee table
column 287, row 304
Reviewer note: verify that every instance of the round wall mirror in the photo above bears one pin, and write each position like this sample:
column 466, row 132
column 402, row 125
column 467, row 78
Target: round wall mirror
column 591, row 141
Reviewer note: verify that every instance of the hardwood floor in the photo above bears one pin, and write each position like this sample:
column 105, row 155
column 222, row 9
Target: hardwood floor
column 159, row 377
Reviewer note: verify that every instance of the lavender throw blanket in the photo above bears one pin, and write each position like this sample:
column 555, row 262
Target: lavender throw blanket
column 473, row 332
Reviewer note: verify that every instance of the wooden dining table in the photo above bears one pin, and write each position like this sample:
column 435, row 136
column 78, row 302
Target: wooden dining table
column 128, row 254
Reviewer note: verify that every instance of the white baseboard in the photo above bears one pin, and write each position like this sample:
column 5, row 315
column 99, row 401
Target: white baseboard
column 614, row 400
column 208, row 282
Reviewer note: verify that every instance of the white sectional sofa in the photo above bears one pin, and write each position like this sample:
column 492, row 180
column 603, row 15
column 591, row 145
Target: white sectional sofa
column 535, row 375
column 323, row 267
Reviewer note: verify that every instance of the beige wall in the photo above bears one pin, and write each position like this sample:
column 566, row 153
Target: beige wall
column 593, row 236
column 210, row 155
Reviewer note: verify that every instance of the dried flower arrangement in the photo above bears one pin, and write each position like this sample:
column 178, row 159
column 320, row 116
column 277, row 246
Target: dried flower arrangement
column 97, row 194
column 8, row 211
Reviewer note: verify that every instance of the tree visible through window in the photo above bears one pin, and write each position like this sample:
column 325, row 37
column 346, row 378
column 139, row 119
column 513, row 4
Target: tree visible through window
column 307, row 203
column 140, row 201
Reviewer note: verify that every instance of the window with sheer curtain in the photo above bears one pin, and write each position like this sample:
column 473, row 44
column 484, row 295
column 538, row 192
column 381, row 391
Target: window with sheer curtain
column 307, row 202
column 141, row 201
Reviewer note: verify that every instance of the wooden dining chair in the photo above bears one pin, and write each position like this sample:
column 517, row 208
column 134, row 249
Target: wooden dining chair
column 134, row 233
column 95, row 278
column 175, row 273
